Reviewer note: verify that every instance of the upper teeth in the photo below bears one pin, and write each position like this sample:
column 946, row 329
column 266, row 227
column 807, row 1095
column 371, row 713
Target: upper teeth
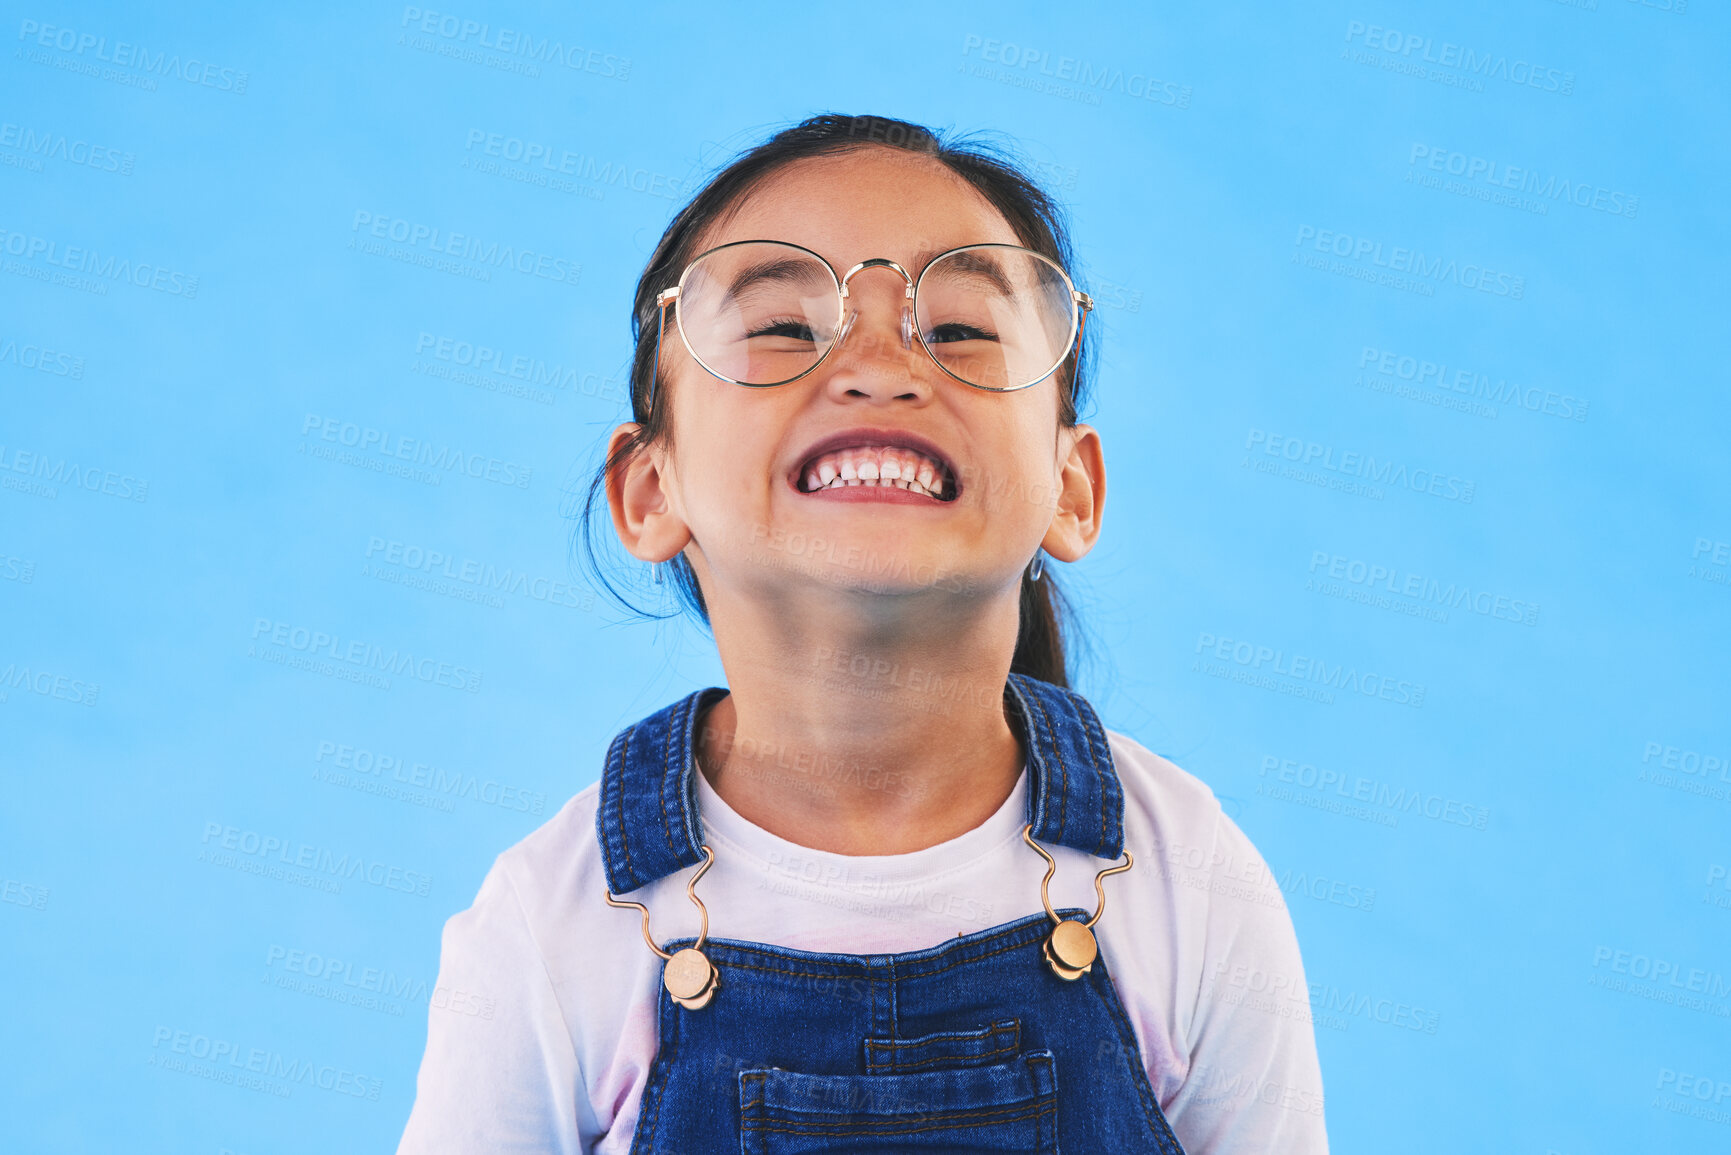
column 875, row 465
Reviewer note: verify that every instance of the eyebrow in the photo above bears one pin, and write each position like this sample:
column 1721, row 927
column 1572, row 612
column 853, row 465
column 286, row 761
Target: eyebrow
column 972, row 261
column 773, row 269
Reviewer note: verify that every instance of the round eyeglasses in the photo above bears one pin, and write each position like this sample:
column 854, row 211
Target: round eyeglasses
column 764, row 313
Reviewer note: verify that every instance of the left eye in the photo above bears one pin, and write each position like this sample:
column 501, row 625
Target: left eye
column 796, row 330
column 958, row 331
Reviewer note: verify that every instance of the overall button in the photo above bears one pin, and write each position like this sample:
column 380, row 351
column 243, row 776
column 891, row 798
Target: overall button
column 1073, row 945
column 689, row 978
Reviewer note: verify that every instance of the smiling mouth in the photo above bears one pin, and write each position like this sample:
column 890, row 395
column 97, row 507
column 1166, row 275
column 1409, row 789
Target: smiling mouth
column 881, row 467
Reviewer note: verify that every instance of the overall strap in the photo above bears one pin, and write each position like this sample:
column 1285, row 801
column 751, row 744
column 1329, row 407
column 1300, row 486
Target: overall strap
column 647, row 818
column 1075, row 798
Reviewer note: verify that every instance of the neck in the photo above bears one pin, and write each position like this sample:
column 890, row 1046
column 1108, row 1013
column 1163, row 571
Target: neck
column 867, row 736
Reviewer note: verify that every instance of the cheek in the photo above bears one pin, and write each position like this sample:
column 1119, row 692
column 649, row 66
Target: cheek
column 723, row 453
column 1020, row 473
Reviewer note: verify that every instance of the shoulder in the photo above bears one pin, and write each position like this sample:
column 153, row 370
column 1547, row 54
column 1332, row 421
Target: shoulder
column 1172, row 815
column 1159, row 796
column 557, row 866
column 540, row 920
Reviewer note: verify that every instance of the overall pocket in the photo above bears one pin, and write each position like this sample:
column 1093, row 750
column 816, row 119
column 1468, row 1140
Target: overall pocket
column 1006, row 1106
column 944, row 1049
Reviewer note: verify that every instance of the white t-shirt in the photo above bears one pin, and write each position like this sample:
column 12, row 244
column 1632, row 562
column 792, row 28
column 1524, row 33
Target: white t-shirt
column 545, row 1029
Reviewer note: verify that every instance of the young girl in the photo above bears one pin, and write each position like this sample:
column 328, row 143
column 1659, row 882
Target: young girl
column 895, row 888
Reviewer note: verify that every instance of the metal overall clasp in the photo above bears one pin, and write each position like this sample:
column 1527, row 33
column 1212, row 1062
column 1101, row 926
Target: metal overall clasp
column 689, row 976
column 1070, row 949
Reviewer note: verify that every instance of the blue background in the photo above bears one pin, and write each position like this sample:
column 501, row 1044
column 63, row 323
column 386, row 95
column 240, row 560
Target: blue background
column 1553, row 911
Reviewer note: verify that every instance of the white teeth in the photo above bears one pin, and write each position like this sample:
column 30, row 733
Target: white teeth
column 912, row 486
column 876, row 466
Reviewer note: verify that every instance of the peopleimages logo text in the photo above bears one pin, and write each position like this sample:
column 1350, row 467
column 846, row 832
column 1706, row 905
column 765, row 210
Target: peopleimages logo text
column 1447, row 54
column 514, row 42
column 136, row 56
column 395, row 447
column 48, row 145
column 1363, row 466
column 364, row 656
column 1501, row 175
column 1087, row 75
column 1411, row 261
column 1310, row 668
column 319, row 859
column 256, row 1061
column 1358, row 788
column 77, row 259
column 464, row 246
column 1471, row 383
column 1403, row 583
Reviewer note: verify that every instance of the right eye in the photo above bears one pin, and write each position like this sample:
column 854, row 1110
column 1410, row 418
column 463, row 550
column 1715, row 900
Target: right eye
column 952, row 331
column 792, row 328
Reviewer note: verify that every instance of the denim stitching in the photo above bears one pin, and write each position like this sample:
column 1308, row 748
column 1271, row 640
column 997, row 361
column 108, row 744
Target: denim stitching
column 826, row 1116
column 831, row 1119
column 666, row 772
column 1048, row 1138
column 1082, row 711
column 899, row 1066
column 1063, row 771
column 687, row 771
column 1099, row 983
column 895, row 999
column 1046, row 1105
column 1028, row 927
column 1144, row 1089
column 619, row 794
column 1111, row 789
column 923, row 974
column 750, row 1104
column 1028, row 932
column 1006, row 1027
column 659, row 1071
column 872, row 994
column 1022, row 723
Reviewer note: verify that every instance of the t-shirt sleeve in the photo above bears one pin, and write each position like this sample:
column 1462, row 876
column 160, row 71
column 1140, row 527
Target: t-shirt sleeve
column 500, row 1073
column 1254, row 1083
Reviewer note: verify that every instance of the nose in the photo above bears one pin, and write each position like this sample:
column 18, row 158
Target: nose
column 874, row 356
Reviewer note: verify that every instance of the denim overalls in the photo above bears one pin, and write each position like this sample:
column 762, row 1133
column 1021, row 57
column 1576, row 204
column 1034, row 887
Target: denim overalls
column 973, row 1045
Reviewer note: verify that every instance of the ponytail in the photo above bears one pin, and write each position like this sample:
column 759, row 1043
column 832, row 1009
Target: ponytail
column 1040, row 633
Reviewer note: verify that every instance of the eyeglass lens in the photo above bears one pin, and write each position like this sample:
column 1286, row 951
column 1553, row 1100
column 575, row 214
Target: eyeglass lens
column 763, row 313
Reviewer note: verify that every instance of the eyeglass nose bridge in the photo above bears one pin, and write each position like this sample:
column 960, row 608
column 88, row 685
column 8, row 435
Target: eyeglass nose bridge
column 907, row 320
column 880, row 263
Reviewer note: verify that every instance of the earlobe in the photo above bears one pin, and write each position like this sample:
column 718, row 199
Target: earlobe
column 1081, row 496
column 638, row 499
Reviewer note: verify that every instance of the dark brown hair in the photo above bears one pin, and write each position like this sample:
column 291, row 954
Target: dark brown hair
column 1034, row 217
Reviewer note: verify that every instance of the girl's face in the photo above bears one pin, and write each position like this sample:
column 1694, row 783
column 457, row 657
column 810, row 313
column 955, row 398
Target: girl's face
column 733, row 487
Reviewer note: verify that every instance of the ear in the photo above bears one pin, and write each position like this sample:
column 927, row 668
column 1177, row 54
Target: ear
column 638, row 499
column 1081, row 495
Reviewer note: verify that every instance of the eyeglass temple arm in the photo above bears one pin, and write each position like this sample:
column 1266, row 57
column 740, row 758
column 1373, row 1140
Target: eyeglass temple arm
column 1085, row 303
column 663, row 299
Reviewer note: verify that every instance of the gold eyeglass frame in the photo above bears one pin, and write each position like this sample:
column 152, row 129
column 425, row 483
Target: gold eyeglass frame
column 1081, row 303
